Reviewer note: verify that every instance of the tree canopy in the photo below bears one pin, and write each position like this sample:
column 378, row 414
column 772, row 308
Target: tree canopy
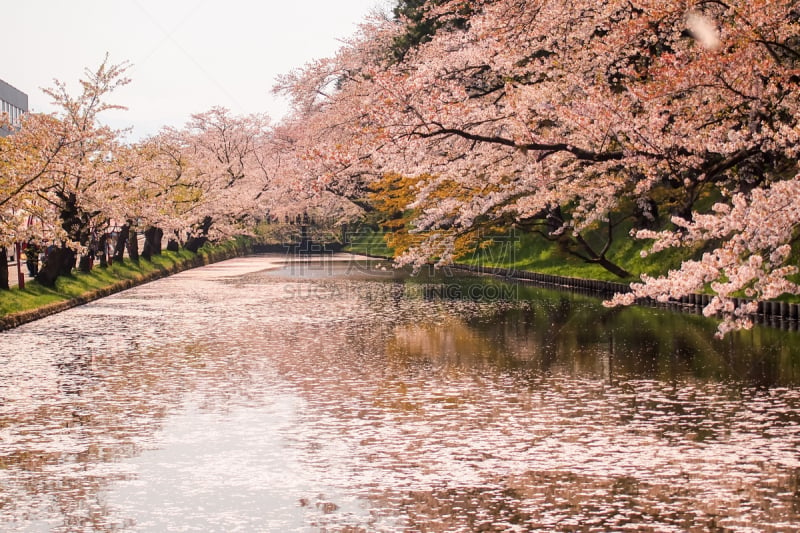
column 564, row 117
column 575, row 120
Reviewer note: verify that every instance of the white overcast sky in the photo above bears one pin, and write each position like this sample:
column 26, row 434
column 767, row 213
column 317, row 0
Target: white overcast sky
column 187, row 55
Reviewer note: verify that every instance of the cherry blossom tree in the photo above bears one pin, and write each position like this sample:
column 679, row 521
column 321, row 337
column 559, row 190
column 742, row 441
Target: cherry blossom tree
column 216, row 175
column 74, row 178
column 25, row 158
column 66, row 159
column 574, row 119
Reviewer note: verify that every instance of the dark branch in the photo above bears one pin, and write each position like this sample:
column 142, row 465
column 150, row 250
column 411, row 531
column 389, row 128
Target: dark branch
column 579, row 153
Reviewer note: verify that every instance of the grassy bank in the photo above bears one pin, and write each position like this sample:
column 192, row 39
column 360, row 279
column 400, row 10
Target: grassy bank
column 369, row 242
column 532, row 253
column 35, row 300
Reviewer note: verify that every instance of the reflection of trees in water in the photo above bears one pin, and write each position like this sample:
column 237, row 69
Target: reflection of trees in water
column 546, row 330
column 573, row 333
column 570, row 501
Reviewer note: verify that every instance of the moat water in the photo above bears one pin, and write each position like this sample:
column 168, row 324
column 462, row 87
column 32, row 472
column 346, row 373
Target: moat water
column 342, row 395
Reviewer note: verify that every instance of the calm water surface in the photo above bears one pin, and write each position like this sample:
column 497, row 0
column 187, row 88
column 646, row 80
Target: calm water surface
column 341, row 396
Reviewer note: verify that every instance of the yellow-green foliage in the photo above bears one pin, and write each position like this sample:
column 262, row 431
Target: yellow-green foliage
column 394, row 193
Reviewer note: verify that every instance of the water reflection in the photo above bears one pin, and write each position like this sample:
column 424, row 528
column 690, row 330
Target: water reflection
column 347, row 396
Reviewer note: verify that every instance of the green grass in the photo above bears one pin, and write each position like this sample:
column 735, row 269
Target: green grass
column 368, row 241
column 80, row 284
column 533, row 253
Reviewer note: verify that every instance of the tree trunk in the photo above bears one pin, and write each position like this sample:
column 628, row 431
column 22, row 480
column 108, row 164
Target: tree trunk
column 599, row 258
column 159, row 237
column 85, row 263
column 173, row 243
column 194, row 243
column 152, row 242
column 74, row 220
column 122, row 243
column 59, row 262
column 133, row 246
column 69, row 261
column 101, row 250
column 613, row 268
column 4, row 271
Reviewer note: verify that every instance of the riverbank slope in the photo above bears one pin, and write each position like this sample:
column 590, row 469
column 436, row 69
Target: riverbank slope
column 522, row 258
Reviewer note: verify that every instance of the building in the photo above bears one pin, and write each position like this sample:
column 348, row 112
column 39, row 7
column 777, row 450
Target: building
column 14, row 102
